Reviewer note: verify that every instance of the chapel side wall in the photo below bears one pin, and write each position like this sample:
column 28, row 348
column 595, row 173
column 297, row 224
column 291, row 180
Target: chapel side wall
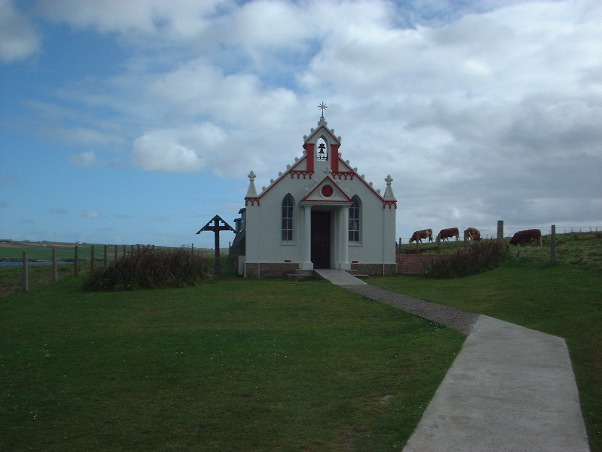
column 269, row 232
column 389, row 246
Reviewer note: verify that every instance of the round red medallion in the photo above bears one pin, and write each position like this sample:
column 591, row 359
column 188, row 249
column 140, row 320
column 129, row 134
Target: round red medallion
column 327, row 191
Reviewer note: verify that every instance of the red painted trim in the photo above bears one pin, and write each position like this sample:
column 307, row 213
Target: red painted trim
column 334, row 153
column 252, row 201
column 290, row 170
column 343, row 174
column 310, row 149
column 319, row 187
column 300, row 173
column 325, row 129
column 351, row 171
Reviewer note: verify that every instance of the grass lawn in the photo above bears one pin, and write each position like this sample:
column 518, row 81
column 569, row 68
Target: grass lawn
column 229, row 365
column 564, row 300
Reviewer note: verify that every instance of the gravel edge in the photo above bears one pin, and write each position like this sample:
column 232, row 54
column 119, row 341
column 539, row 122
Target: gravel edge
column 454, row 318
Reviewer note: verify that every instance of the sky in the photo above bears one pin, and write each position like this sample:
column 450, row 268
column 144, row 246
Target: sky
column 136, row 122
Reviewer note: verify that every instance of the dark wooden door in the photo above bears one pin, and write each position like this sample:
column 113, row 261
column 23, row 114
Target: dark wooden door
column 320, row 239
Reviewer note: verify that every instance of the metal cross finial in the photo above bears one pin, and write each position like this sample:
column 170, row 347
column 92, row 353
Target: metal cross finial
column 322, row 107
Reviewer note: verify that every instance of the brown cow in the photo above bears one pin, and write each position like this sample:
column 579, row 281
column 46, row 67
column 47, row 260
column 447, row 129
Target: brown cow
column 526, row 236
column 472, row 234
column 422, row 234
column 445, row 234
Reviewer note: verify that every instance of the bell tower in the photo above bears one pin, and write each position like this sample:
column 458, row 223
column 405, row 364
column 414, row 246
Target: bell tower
column 322, row 147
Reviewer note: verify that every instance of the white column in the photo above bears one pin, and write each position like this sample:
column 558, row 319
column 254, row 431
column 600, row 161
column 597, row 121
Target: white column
column 306, row 263
column 344, row 239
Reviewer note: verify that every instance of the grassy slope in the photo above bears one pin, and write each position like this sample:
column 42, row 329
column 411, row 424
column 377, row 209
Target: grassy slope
column 563, row 300
column 232, row 365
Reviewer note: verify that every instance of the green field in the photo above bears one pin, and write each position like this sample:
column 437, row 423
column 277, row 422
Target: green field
column 64, row 251
column 269, row 364
column 230, row 365
column 42, row 251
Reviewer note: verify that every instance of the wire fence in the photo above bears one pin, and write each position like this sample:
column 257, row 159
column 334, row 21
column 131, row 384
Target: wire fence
column 82, row 258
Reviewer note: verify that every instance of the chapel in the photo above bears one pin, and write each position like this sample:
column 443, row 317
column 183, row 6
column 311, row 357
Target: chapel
column 318, row 214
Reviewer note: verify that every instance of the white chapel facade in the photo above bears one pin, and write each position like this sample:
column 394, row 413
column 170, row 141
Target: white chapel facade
column 319, row 213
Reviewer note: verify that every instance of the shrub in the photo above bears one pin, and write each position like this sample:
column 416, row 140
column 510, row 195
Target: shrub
column 468, row 260
column 150, row 268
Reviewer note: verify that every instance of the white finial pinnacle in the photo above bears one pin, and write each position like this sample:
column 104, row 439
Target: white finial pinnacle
column 251, row 191
column 389, row 196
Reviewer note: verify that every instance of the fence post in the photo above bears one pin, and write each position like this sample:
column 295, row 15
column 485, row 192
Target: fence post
column 116, row 252
column 76, row 261
column 553, row 245
column 55, row 274
column 92, row 259
column 106, row 257
column 25, row 272
column 500, row 229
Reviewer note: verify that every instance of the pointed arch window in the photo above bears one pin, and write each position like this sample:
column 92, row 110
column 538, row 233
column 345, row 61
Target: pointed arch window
column 355, row 225
column 322, row 153
column 287, row 218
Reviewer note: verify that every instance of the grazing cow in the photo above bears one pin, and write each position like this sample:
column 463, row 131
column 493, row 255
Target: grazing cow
column 445, row 234
column 472, row 234
column 526, row 236
column 422, row 234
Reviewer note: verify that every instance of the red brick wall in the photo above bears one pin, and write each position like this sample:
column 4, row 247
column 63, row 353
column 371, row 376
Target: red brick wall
column 413, row 264
column 374, row 269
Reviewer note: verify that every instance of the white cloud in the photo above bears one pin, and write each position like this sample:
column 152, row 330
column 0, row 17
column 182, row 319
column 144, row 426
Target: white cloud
column 183, row 19
column 177, row 150
column 18, row 39
column 85, row 159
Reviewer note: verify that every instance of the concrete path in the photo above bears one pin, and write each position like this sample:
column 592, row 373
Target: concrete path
column 509, row 389
column 339, row 277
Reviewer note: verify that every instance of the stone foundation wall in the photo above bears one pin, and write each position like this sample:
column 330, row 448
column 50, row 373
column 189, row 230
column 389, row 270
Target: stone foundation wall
column 270, row 270
column 280, row 269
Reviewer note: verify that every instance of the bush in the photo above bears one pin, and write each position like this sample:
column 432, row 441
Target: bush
column 468, row 260
column 150, row 268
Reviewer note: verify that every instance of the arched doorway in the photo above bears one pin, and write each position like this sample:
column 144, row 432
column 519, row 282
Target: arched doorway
column 320, row 238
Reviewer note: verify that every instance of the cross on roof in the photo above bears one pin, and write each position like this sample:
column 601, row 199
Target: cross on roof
column 322, row 107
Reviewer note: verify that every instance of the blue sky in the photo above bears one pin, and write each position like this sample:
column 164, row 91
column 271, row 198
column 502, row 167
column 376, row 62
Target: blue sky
column 137, row 122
